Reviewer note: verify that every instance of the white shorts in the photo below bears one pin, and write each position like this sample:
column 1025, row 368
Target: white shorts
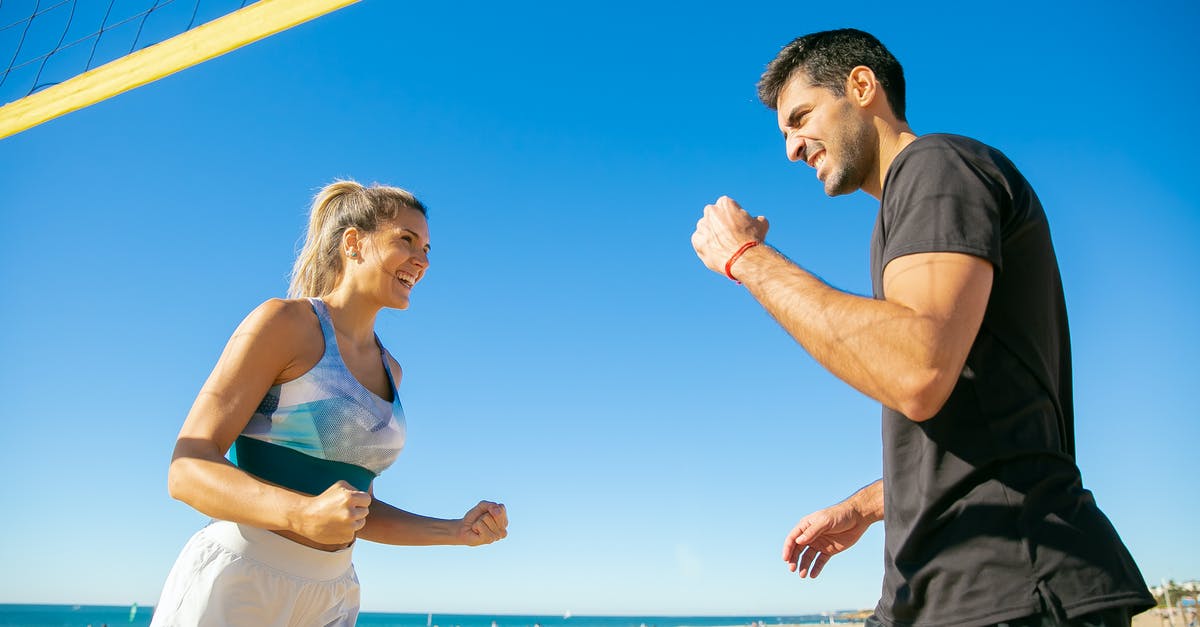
column 231, row 574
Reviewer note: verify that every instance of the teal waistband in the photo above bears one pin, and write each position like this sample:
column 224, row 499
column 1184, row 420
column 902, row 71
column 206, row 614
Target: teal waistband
column 295, row 470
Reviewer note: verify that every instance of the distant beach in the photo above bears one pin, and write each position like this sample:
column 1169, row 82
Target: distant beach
column 1158, row 618
column 12, row 615
column 15, row 615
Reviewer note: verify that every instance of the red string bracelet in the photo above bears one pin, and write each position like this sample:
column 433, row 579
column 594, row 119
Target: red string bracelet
column 741, row 251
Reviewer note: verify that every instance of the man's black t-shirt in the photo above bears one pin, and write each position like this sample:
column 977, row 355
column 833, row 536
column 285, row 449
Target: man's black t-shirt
column 985, row 514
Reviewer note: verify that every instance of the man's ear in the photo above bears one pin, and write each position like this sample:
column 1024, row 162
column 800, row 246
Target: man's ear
column 862, row 88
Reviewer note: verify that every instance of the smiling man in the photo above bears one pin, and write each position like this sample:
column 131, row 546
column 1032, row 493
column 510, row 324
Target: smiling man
column 965, row 343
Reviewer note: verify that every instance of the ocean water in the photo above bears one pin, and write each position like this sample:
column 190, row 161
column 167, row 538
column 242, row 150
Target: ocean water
column 121, row 616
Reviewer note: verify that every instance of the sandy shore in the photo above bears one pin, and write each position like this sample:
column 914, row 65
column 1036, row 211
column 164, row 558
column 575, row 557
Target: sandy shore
column 1152, row 618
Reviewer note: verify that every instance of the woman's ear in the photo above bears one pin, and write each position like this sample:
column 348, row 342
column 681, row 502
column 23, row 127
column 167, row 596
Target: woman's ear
column 352, row 241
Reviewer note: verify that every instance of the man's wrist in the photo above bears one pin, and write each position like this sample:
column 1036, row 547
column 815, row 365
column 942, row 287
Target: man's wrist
column 738, row 269
column 868, row 502
column 737, row 254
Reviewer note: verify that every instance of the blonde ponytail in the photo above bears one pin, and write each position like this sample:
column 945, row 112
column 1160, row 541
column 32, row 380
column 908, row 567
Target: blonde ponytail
column 338, row 206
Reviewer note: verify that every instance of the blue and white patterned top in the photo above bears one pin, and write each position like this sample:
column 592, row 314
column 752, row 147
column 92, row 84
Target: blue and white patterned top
column 327, row 414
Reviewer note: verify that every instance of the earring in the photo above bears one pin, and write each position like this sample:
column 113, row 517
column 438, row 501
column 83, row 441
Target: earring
column 352, row 254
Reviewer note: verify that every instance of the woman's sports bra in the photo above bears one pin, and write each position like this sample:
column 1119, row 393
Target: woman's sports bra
column 323, row 426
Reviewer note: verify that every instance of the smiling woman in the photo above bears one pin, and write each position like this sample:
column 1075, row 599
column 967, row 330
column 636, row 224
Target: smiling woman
column 388, row 219
column 308, row 399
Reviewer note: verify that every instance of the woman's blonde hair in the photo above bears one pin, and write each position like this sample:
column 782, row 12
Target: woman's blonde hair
column 337, row 207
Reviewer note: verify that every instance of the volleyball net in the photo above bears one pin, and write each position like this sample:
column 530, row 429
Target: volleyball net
column 60, row 56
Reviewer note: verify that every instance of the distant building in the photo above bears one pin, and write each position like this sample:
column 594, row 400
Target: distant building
column 1187, row 592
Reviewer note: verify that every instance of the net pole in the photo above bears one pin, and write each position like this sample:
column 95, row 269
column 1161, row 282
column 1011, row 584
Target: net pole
column 213, row 39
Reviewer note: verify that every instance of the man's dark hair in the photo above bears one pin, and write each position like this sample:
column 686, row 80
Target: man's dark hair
column 826, row 58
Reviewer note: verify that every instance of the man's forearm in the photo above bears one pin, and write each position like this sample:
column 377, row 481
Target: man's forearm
column 882, row 349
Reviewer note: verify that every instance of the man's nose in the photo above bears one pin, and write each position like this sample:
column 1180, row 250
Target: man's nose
column 795, row 148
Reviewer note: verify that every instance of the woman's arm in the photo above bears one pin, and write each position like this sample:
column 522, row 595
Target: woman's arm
column 484, row 524
column 386, row 524
column 274, row 343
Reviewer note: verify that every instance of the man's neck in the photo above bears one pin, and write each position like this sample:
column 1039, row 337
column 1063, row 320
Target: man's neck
column 892, row 140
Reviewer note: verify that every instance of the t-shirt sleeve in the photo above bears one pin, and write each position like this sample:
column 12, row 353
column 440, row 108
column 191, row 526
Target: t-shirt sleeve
column 937, row 200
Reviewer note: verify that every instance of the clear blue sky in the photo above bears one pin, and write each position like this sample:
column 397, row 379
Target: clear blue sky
column 653, row 432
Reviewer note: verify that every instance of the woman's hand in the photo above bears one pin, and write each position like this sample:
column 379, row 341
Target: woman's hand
column 484, row 524
column 334, row 516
